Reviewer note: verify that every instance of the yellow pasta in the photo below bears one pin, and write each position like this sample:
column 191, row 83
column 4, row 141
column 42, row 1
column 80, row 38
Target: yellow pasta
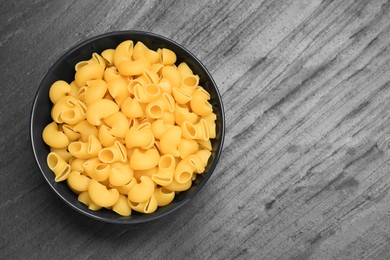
column 131, row 131
column 53, row 137
column 58, row 90
column 60, row 168
column 144, row 159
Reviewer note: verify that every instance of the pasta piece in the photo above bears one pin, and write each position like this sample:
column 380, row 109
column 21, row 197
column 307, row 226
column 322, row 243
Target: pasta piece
column 144, row 159
column 122, row 207
column 168, row 57
column 97, row 170
column 175, row 186
column 158, row 128
column 85, row 130
column 204, row 155
column 173, row 75
column 119, row 124
column 210, row 124
column 102, row 196
column 187, row 147
column 199, row 103
column 73, row 115
column 77, row 182
column 101, row 109
column 96, row 59
column 62, row 105
column 149, row 172
column 131, row 108
column 74, row 89
column 120, row 174
column 182, row 114
column 195, row 131
column 166, row 170
column 141, row 51
column 140, row 136
column 163, row 196
column 189, row 84
column 205, row 144
column 58, row 90
column 133, row 68
column 157, row 68
column 88, row 72
column 170, row 140
column 184, row 70
column 146, row 94
column 147, row 207
column 181, row 96
column 118, row 89
column 62, row 153
column 127, row 187
column 105, row 137
column 168, row 118
column 70, row 132
column 60, row 168
column 151, row 76
column 77, row 165
column 54, row 138
column 86, row 200
column 108, row 55
column 142, row 191
column 114, row 153
column 123, row 52
column 85, row 150
column 96, row 90
column 183, row 171
column 111, row 74
column 165, row 86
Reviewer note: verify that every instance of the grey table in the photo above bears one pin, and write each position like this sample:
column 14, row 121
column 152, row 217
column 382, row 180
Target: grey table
column 305, row 171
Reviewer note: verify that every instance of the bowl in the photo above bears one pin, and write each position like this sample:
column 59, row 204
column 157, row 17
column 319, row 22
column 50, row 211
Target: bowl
column 63, row 69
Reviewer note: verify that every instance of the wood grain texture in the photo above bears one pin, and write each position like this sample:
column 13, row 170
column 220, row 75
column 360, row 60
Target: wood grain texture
column 305, row 168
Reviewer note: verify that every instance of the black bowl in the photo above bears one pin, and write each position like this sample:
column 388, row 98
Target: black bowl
column 63, row 69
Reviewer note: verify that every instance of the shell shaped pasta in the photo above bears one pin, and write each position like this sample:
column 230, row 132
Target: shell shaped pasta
column 204, row 155
column 149, row 172
column 158, row 128
column 132, row 108
column 133, row 68
column 59, row 166
column 122, row 207
column 101, row 109
column 151, row 76
column 88, row 72
column 85, row 199
column 96, row 90
column 183, row 172
column 53, row 137
column 102, row 196
column 62, row 153
column 166, row 170
column 142, row 191
column 189, row 84
column 144, row 159
column 184, row 70
column 168, row 118
column 163, row 196
column 146, row 94
column 114, row 153
column 175, row 186
column 142, row 51
column 165, row 86
column 140, row 136
column 154, row 110
column 77, row 182
column 181, row 96
column 157, row 68
column 123, row 52
column 120, row 174
column 77, row 165
column 62, row 105
column 73, row 115
column 58, row 90
column 205, row 144
column 147, row 207
column 187, row 147
column 173, row 75
column 195, row 131
column 197, row 163
column 70, row 132
column 96, row 59
column 97, row 170
column 168, row 57
column 182, row 114
column 118, row 89
column 74, row 89
column 127, row 187
column 110, row 74
column 85, row 150
column 201, row 106
column 119, row 124
column 170, row 140
column 105, row 137
column 108, row 55
column 210, row 124
column 85, row 130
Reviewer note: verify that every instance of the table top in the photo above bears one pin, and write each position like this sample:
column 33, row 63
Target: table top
column 304, row 172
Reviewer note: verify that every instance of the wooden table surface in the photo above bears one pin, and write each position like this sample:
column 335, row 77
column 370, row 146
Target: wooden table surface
column 305, row 170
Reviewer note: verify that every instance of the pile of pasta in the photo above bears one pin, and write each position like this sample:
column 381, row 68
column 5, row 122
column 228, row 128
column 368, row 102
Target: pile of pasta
column 131, row 131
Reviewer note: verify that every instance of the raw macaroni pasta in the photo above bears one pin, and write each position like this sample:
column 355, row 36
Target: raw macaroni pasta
column 131, row 131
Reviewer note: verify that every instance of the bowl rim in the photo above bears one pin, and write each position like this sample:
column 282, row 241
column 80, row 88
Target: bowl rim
column 150, row 218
